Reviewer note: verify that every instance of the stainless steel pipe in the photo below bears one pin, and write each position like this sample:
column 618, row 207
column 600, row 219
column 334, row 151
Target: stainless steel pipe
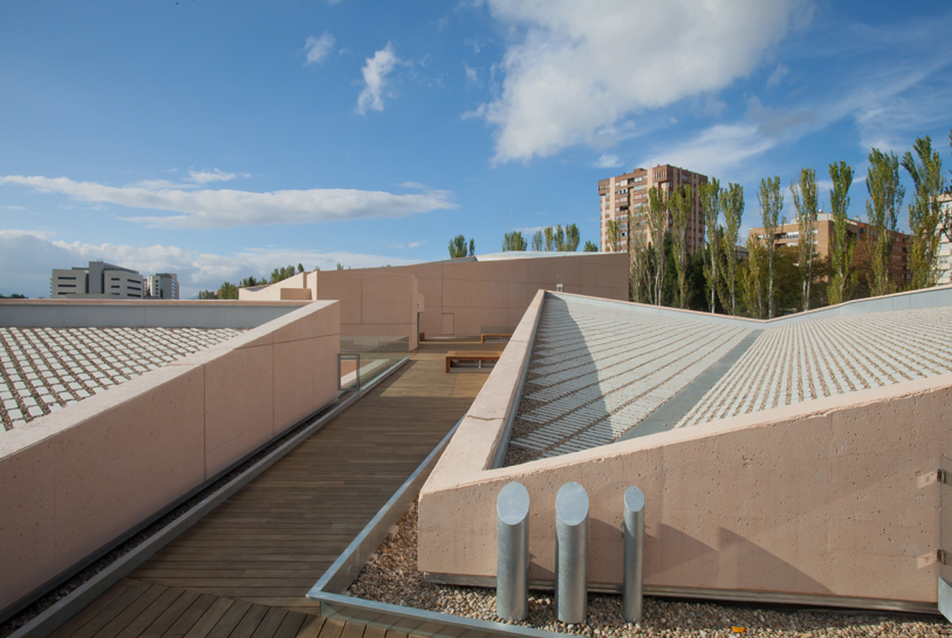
column 571, row 553
column 512, row 552
column 634, row 532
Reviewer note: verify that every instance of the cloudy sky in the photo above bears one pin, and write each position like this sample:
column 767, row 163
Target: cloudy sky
column 218, row 140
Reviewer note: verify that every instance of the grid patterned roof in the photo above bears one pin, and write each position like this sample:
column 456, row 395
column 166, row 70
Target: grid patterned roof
column 45, row 369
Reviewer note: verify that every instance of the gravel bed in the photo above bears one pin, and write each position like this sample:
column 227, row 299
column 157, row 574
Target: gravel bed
column 391, row 576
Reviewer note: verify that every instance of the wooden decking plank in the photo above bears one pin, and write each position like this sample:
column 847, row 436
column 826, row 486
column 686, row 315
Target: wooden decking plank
column 250, row 622
column 312, row 627
column 192, row 615
column 230, row 619
column 92, row 610
column 210, row 618
column 270, row 623
column 291, row 625
column 132, row 611
column 353, row 630
column 396, row 634
column 332, row 628
column 373, row 631
column 167, row 618
column 148, row 616
column 109, row 612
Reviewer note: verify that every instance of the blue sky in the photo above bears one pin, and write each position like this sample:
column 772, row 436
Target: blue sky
column 218, row 140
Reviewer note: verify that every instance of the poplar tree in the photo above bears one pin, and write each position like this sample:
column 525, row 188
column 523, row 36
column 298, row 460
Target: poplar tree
column 572, row 238
column 804, row 200
column 771, row 204
column 752, row 278
column 457, row 247
column 638, row 284
column 841, row 248
column 513, row 241
column 612, row 234
column 590, row 247
column 732, row 204
column 710, row 196
column 882, row 206
column 925, row 211
column 537, row 240
column 681, row 203
column 657, row 226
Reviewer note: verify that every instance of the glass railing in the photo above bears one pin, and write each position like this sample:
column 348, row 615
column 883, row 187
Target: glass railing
column 363, row 359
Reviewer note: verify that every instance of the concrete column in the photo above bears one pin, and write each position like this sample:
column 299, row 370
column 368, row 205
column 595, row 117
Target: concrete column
column 512, row 552
column 634, row 532
column 571, row 553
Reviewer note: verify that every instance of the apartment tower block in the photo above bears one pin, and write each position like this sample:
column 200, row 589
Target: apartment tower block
column 629, row 192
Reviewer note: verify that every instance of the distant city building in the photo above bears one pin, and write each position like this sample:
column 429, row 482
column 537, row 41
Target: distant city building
column 629, row 192
column 788, row 235
column 163, row 285
column 102, row 280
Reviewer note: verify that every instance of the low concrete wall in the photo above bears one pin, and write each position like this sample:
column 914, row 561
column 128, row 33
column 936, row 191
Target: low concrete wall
column 75, row 480
column 827, row 500
column 157, row 313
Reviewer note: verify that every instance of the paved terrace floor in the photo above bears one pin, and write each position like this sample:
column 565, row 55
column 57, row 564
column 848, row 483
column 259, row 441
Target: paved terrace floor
column 243, row 571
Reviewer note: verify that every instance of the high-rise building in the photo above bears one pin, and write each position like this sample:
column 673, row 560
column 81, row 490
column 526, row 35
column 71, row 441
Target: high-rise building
column 163, row 285
column 629, row 192
column 944, row 265
column 98, row 279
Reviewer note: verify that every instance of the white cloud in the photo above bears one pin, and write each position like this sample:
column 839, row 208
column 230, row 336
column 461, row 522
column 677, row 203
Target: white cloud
column 777, row 76
column 375, row 73
column 27, row 259
column 570, row 70
column 471, row 74
column 214, row 175
column 608, row 161
column 225, row 208
column 318, row 48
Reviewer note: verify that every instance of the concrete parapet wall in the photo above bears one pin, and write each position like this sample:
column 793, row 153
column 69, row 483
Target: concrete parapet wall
column 831, row 499
column 75, row 480
column 157, row 313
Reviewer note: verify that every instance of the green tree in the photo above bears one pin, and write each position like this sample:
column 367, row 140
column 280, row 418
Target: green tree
column 340, row 266
column 549, row 234
column 472, row 247
column 248, row 282
column 805, row 201
column 280, row 274
column 228, row 291
column 208, row 294
column 458, row 247
column 925, row 211
column 537, row 241
column 572, row 238
column 613, row 234
column 732, row 204
column 590, row 247
column 513, row 241
column 681, row 204
column 842, row 247
column 882, row 206
column 710, row 195
column 657, row 227
column 752, row 274
column 771, row 205
column 300, row 268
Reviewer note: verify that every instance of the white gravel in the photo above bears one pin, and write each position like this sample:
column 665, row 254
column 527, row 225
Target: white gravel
column 391, row 576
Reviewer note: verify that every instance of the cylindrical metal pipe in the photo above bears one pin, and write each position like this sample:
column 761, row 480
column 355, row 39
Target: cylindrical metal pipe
column 571, row 553
column 634, row 531
column 512, row 552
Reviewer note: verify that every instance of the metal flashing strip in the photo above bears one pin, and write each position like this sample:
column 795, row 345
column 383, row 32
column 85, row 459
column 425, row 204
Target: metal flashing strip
column 57, row 614
column 329, row 590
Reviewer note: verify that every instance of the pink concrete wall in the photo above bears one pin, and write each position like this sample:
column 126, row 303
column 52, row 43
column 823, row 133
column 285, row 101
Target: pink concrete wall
column 832, row 498
column 461, row 297
column 78, row 478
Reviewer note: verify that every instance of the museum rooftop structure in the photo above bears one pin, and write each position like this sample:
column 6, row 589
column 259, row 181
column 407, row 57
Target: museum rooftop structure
column 800, row 459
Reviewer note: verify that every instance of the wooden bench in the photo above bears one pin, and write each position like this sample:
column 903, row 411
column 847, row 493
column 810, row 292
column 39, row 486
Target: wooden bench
column 494, row 335
column 479, row 357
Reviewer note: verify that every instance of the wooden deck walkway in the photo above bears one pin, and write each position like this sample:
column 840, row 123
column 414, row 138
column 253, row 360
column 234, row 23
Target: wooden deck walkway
column 243, row 571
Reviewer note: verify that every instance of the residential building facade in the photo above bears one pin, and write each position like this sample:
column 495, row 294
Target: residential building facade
column 629, row 192
column 944, row 265
column 788, row 235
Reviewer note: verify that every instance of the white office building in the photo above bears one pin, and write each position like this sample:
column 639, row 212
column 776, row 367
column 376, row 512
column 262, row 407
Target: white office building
column 99, row 280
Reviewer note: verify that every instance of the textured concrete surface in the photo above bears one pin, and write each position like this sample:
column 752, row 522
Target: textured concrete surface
column 45, row 369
